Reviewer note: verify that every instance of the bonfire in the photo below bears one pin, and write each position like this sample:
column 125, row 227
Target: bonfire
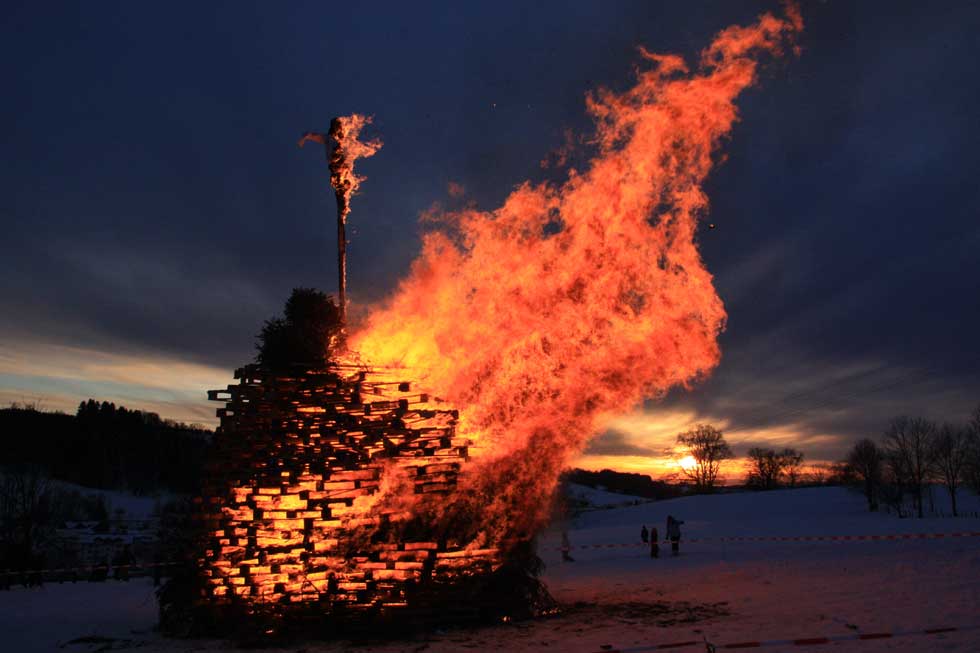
column 410, row 474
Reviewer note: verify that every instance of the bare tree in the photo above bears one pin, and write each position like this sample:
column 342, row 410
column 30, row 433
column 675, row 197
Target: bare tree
column 26, row 507
column 765, row 468
column 707, row 446
column 908, row 442
column 972, row 471
column 952, row 455
column 865, row 460
column 768, row 467
column 792, row 465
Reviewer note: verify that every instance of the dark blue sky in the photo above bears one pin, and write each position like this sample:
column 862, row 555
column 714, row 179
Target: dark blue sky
column 154, row 203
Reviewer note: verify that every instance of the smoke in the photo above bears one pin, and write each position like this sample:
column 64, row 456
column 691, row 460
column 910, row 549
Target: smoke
column 571, row 303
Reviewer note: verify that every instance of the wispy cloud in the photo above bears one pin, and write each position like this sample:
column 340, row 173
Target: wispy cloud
column 59, row 377
column 617, row 443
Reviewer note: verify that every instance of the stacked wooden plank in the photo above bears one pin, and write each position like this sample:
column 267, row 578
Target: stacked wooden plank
column 293, row 505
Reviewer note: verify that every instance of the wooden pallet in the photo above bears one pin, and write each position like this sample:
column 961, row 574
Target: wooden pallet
column 287, row 505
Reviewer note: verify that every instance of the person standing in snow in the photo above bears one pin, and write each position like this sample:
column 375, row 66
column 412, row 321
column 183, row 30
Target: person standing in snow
column 566, row 546
column 654, row 543
column 121, row 563
column 674, row 534
column 644, row 535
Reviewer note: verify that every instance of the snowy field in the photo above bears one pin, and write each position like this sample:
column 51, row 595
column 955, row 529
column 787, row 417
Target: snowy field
column 621, row 598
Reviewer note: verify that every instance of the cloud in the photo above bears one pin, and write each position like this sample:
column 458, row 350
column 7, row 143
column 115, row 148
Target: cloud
column 799, row 400
column 642, row 442
column 59, row 377
column 617, row 443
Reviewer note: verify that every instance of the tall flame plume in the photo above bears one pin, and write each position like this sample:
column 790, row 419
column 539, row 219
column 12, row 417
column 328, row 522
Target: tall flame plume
column 573, row 302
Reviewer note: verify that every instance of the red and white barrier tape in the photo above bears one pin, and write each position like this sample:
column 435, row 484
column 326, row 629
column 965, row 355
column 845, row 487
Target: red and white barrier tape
column 799, row 641
column 580, row 547
column 800, row 538
column 106, row 567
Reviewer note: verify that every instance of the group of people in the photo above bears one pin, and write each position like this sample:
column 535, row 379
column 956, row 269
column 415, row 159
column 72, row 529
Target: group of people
column 653, row 537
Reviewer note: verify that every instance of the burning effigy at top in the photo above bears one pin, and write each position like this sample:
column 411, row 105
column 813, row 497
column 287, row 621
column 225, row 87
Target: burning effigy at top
column 344, row 148
column 420, row 460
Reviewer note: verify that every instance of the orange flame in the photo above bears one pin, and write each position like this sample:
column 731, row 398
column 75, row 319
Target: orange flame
column 345, row 131
column 574, row 302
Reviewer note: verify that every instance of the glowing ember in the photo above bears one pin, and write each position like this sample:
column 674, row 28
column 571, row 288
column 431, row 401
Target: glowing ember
column 570, row 303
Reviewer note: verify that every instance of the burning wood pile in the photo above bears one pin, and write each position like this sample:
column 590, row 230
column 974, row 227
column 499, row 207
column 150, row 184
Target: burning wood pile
column 291, row 508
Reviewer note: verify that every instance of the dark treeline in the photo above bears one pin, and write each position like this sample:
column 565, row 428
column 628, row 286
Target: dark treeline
column 637, row 485
column 911, row 454
column 770, row 469
column 106, row 447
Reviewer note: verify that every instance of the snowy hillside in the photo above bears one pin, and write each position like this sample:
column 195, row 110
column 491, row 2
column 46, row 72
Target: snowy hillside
column 122, row 504
column 597, row 499
column 617, row 596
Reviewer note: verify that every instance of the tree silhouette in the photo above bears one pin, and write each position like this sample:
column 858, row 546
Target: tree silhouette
column 707, row 446
column 910, row 446
column 104, row 446
column 25, row 511
column 866, row 460
column 307, row 334
column 973, row 450
column 952, row 457
column 768, row 467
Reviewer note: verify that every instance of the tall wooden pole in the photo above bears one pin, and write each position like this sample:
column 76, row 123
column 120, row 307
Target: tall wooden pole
column 343, row 181
column 342, row 256
column 344, row 150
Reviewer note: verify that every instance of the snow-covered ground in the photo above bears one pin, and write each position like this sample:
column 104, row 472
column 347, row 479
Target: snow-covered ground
column 120, row 504
column 620, row 597
column 600, row 499
column 44, row 619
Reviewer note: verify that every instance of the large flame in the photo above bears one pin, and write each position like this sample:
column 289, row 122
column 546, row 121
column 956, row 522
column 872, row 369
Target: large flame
column 571, row 303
